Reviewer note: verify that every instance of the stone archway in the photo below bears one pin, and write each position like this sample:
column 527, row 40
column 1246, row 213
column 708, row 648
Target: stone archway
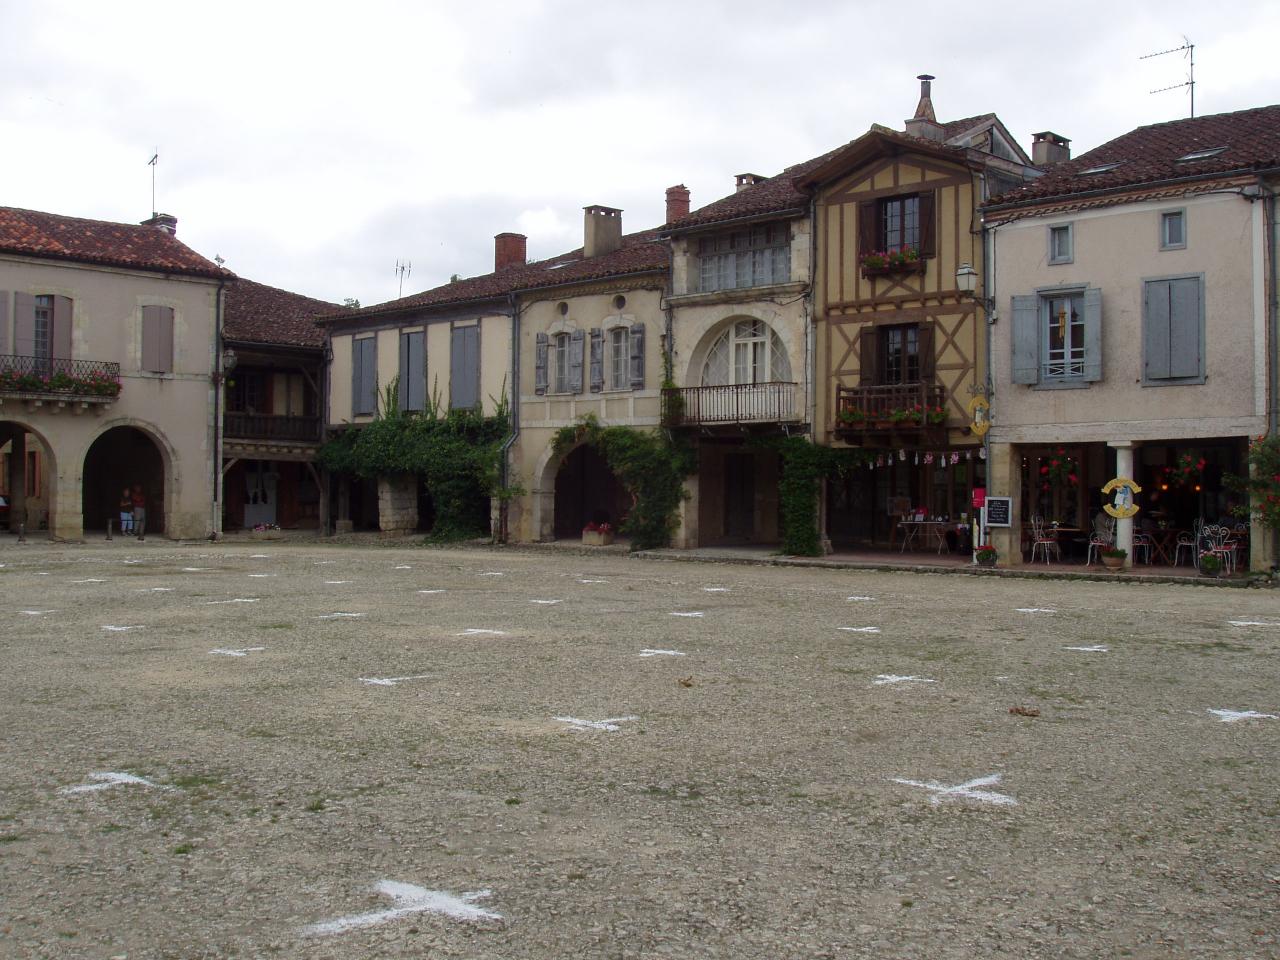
column 28, row 478
column 574, row 490
column 120, row 457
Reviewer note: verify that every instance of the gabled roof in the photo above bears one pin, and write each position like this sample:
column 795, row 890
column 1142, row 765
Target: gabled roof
column 1151, row 155
column 256, row 313
column 640, row 252
column 131, row 245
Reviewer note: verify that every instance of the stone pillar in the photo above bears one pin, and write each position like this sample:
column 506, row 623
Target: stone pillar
column 18, row 480
column 398, row 503
column 1004, row 479
column 344, row 505
column 686, row 537
column 1124, row 525
column 322, row 481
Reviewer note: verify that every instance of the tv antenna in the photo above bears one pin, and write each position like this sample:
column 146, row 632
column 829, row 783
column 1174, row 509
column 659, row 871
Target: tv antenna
column 153, row 163
column 403, row 269
column 1190, row 83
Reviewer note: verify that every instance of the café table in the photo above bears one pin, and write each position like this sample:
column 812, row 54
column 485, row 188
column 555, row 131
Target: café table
column 915, row 530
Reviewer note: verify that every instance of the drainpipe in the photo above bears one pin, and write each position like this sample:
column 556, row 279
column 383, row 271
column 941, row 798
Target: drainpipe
column 988, row 238
column 1273, row 308
column 504, row 466
column 216, row 519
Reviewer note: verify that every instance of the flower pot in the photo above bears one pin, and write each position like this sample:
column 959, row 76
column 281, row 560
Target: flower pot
column 1211, row 574
column 1113, row 563
column 266, row 534
column 597, row 538
column 988, row 562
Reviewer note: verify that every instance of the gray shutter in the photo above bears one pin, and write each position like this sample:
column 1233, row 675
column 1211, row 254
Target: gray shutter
column 60, row 335
column 464, row 368
column 637, row 356
column 540, row 363
column 357, row 364
column 405, row 367
column 577, row 342
column 1155, row 331
column 1026, row 340
column 1184, row 328
column 418, row 371
column 1092, row 334
column 150, row 338
column 166, row 339
column 4, row 321
column 24, row 324
column 369, row 374
column 597, row 360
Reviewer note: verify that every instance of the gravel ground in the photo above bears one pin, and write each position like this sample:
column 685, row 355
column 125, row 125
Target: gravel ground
column 748, row 806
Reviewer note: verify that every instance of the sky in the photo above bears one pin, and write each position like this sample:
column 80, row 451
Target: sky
column 315, row 145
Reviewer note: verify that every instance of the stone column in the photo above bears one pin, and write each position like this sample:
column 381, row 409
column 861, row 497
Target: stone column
column 1004, row 479
column 344, row 505
column 398, row 503
column 1124, row 525
column 18, row 480
column 686, row 537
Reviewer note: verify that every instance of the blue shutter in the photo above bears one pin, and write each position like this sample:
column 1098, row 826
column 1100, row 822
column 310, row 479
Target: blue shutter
column 1092, row 334
column 1155, row 330
column 577, row 343
column 1025, row 362
column 1184, row 328
column 541, row 343
column 637, row 356
column 597, row 360
column 464, row 368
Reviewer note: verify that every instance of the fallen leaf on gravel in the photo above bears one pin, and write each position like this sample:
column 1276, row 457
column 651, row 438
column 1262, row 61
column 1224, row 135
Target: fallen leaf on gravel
column 1021, row 711
column 685, row 681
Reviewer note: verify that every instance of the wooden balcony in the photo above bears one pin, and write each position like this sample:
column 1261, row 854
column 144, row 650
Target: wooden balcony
column 881, row 414
column 743, row 403
column 58, row 382
column 262, row 426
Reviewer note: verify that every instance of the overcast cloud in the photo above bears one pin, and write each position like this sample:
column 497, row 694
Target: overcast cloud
column 312, row 145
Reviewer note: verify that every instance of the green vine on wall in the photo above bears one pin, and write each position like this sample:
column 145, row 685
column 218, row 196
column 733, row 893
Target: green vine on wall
column 1262, row 483
column 650, row 465
column 804, row 466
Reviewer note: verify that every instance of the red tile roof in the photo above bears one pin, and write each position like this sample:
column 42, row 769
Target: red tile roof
column 1150, row 154
column 36, row 234
column 954, row 128
column 640, row 253
column 256, row 313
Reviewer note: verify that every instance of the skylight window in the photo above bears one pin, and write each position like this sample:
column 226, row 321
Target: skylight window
column 1201, row 154
column 1102, row 168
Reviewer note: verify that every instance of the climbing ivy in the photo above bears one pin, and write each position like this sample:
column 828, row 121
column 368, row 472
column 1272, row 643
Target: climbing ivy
column 650, row 465
column 804, row 465
column 1262, row 483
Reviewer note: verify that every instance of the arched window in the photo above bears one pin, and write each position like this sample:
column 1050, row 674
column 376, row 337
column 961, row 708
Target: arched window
column 750, row 351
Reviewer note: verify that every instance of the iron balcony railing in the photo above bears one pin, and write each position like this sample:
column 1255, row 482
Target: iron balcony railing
column 48, row 375
column 891, row 406
column 772, row 402
column 264, row 426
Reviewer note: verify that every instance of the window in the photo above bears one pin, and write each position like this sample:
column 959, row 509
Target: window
column 1173, row 330
column 619, row 359
column 900, row 224
column 560, row 363
column 413, row 371
column 753, row 257
column 901, row 348
column 1201, row 155
column 246, row 392
column 42, row 327
column 364, row 376
column 1173, row 230
column 1057, row 337
column 464, row 368
column 750, row 351
column 157, row 339
column 1061, row 244
column 894, row 224
column 1101, row 168
column 1062, row 347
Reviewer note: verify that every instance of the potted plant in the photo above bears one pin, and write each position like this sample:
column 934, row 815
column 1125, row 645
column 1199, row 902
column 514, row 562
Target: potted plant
column 1210, row 564
column 597, row 534
column 1113, row 557
column 853, row 417
column 266, row 531
column 985, row 555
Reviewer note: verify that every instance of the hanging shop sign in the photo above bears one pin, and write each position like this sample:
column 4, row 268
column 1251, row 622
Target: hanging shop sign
column 1121, row 490
column 979, row 416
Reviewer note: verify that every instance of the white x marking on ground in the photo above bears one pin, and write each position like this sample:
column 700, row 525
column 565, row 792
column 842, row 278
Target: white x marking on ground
column 240, row 652
column 968, row 790
column 611, row 725
column 884, row 678
column 392, row 681
column 1252, row 623
column 860, row 629
column 546, row 601
column 338, row 616
column 90, row 580
column 477, row 631
column 692, row 613
column 1235, row 716
column 431, row 591
column 238, row 599
column 660, row 653
column 36, row 613
column 115, row 629
column 105, row 781
column 715, row 589
column 1034, row 610
column 410, row 899
column 1096, row 648
column 859, row 598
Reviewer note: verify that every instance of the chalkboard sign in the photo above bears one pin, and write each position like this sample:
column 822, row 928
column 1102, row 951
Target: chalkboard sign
column 998, row 510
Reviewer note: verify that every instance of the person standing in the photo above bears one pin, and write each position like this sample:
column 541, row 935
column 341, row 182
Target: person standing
column 139, row 503
column 126, row 512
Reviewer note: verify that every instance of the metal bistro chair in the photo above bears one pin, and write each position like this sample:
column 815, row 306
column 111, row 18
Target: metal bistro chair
column 1044, row 540
column 1218, row 541
column 1186, row 541
column 1101, row 540
column 1142, row 542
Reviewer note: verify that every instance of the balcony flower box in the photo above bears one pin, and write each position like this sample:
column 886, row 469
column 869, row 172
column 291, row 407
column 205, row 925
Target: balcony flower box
column 597, row 535
column 881, row 263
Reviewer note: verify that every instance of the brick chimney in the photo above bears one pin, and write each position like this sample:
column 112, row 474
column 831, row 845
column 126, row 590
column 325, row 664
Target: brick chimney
column 1049, row 148
column 744, row 180
column 164, row 221
column 925, row 124
column 677, row 202
column 509, row 250
column 602, row 230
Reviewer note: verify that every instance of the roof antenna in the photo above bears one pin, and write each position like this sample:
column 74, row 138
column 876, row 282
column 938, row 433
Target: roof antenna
column 153, row 163
column 403, row 269
column 1190, row 82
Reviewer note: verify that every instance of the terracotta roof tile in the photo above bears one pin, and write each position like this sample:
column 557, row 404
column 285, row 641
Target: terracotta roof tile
column 954, row 128
column 256, row 313
column 37, row 234
column 1151, row 155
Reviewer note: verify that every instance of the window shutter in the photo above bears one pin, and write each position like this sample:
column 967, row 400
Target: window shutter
column 151, row 339
column 4, row 321
column 405, row 367
column 60, row 336
column 369, row 375
column 418, row 371
column 1184, row 328
column 924, row 344
column 868, row 227
column 577, row 342
column 869, row 356
column 1155, row 331
column 24, row 324
column 541, row 343
column 464, row 368
column 637, row 356
column 1092, row 334
column 597, row 360
column 1026, row 340
column 166, row 339
column 357, row 366
column 927, row 225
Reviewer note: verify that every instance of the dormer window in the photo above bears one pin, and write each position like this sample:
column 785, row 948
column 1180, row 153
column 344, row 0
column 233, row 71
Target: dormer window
column 1101, row 168
column 754, row 257
column 1201, row 155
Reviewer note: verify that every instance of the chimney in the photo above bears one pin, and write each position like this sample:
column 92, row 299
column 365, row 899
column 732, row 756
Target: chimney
column 1049, row 148
column 602, row 230
column 164, row 221
column 677, row 202
column 748, row 180
column 925, row 124
column 508, row 250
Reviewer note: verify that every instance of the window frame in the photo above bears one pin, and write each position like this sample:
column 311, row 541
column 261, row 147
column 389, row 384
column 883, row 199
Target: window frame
column 910, row 333
column 758, row 255
column 1044, row 331
column 1070, row 255
column 558, row 380
column 883, row 209
column 1181, row 214
column 358, row 386
column 1202, row 375
column 617, row 358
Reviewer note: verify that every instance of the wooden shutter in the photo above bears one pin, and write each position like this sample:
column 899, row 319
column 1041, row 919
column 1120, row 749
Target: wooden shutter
column 357, row 365
column 577, row 343
column 869, row 356
column 4, row 321
column 925, row 347
column 637, row 356
column 364, row 376
column 1155, row 329
column 1092, row 334
column 464, row 368
column 1025, row 366
column 928, row 231
column 1184, row 328
column 24, row 324
column 418, row 370
column 60, row 335
column 541, row 342
column 403, row 387
column 151, row 338
column 166, row 339
column 868, row 227
column 597, row 360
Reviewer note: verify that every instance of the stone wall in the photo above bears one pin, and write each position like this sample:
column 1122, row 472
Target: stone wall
column 398, row 503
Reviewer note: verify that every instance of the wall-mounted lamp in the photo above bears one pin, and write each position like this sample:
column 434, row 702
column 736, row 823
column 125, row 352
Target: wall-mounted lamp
column 229, row 359
column 967, row 284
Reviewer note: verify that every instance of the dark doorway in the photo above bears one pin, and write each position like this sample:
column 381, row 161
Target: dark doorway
column 586, row 491
column 739, row 496
column 120, row 458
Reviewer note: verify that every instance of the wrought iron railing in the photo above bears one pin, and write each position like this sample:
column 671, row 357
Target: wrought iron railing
column 891, row 406
column 772, row 402
column 79, row 378
column 264, row 426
